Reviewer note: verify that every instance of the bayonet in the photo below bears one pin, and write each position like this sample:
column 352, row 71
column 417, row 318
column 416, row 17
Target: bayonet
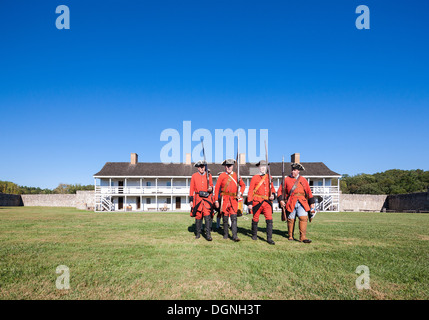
column 269, row 171
column 205, row 164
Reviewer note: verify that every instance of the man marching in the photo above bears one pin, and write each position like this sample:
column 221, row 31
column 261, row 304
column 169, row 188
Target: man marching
column 200, row 197
column 298, row 201
column 230, row 193
column 260, row 199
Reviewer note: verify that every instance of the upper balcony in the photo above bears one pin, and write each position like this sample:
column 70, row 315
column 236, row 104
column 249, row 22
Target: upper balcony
column 145, row 190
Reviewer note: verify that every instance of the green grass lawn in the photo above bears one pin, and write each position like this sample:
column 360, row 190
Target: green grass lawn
column 155, row 256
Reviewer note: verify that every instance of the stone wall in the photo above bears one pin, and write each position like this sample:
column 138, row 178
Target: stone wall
column 81, row 200
column 84, row 200
column 362, row 202
column 49, row 200
column 7, row 200
column 418, row 202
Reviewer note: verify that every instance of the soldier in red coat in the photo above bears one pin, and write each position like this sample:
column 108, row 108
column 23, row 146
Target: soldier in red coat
column 298, row 201
column 230, row 191
column 201, row 199
column 260, row 196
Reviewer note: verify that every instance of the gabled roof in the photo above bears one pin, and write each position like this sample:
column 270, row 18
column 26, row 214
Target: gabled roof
column 126, row 169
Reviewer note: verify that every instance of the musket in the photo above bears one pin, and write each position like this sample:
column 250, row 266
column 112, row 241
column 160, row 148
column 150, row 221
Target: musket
column 283, row 189
column 207, row 174
column 269, row 172
column 240, row 203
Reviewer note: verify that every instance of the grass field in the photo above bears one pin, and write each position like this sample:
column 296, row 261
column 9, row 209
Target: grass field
column 155, row 256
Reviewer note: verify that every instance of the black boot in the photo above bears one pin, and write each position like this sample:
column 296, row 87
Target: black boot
column 270, row 232
column 254, row 230
column 211, row 223
column 208, row 227
column 198, row 226
column 234, row 227
column 225, row 227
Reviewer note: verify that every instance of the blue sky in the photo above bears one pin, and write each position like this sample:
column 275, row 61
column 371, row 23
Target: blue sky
column 71, row 100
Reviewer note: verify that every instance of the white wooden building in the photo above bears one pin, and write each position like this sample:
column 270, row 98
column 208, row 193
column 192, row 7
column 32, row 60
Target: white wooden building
column 144, row 186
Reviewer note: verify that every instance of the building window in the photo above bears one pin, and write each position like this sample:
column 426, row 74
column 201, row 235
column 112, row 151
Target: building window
column 168, row 183
column 168, row 200
column 147, row 200
column 148, row 184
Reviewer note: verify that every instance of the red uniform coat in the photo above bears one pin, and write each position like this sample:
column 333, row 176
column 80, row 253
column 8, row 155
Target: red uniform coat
column 262, row 193
column 257, row 198
column 226, row 187
column 299, row 194
column 199, row 183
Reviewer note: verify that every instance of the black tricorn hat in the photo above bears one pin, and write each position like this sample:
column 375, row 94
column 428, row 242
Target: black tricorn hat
column 262, row 163
column 228, row 162
column 298, row 166
column 200, row 163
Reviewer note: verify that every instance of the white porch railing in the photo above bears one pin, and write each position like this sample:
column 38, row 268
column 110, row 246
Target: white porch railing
column 325, row 190
column 147, row 190
column 151, row 190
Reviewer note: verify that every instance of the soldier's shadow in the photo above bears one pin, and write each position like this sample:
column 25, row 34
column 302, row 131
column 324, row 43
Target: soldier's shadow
column 248, row 232
column 192, row 228
column 262, row 233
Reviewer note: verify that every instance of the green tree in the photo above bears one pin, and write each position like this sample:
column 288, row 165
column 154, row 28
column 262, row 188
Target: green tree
column 393, row 181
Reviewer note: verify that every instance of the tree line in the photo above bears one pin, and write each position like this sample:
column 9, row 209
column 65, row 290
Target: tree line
column 63, row 188
column 393, row 181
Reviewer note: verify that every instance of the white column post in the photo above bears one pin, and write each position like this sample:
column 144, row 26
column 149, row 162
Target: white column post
column 187, row 193
column 95, row 194
column 171, row 204
column 338, row 192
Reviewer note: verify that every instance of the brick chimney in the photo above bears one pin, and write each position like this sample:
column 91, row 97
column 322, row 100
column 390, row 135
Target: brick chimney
column 134, row 158
column 294, row 158
column 188, row 159
column 242, row 158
